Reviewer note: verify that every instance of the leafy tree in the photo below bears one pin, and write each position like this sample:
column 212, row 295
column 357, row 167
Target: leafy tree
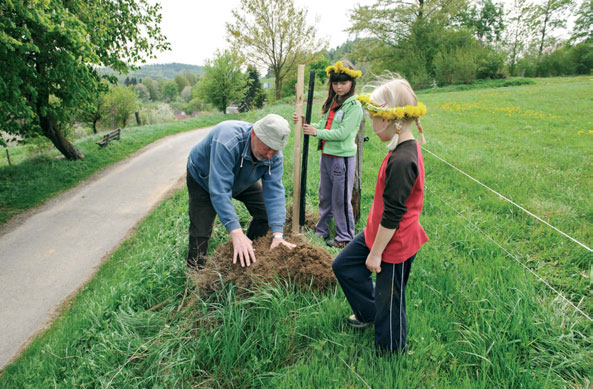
column 404, row 35
column 341, row 51
column 130, row 81
column 93, row 112
column 161, row 86
column 181, row 82
column 192, row 78
column 124, row 102
column 153, row 88
column 393, row 21
column 583, row 25
column 319, row 68
column 170, row 90
column 186, row 93
column 544, row 19
column 254, row 97
column 486, row 20
column 50, row 51
column 222, row 82
column 273, row 34
column 455, row 66
column 142, row 92
column 517, row 32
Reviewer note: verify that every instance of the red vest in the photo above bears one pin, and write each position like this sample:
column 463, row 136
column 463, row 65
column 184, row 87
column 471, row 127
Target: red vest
column 409, row 236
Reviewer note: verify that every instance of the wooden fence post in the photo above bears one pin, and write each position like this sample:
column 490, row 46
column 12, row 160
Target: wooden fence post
column 8, row 157
column 296, row 164
column 357, row 190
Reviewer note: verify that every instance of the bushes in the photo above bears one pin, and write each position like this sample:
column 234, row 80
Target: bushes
column 456, row 66
column 564, row 61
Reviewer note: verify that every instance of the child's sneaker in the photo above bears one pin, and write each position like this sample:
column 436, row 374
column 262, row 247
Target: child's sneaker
column 354, row 322
column 335, row 243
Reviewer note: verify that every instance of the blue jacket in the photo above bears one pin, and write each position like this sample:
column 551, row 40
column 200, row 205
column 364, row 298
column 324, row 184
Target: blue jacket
column 222, row 163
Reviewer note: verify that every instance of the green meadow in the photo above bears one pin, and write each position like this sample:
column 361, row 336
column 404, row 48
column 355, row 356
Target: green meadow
column 496, row 298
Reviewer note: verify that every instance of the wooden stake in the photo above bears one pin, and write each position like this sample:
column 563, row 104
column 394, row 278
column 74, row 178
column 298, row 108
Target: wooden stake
column 357, row 190
column 298, row 131
column 8, row 157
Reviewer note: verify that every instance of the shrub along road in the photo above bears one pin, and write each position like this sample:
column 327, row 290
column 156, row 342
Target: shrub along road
column 55, row 249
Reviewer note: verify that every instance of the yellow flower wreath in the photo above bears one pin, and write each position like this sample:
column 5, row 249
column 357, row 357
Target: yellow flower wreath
column 339, row 68
column 397, row 113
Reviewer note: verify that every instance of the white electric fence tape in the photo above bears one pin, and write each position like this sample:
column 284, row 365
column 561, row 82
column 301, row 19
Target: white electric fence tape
column 510, row 201
column 498, row 244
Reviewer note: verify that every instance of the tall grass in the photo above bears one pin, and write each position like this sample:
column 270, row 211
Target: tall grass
column 477, row 318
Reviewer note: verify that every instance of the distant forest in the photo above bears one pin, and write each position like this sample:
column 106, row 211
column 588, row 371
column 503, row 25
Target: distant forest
column 165, row 71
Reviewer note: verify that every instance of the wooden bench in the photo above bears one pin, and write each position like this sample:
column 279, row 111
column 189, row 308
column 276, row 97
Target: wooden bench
column 113, row 135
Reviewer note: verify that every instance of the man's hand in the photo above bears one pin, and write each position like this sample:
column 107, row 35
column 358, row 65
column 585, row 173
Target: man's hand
column 373, row 263
column 242, row 248
column 276, row 241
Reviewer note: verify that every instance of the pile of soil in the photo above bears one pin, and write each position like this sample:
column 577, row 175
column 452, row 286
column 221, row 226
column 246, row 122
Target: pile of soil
column 306, row 265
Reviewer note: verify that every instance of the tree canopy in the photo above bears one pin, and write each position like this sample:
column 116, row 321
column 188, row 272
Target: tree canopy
column 583, row 25
column 50, row 52
column 223, row 82
column 273, row 34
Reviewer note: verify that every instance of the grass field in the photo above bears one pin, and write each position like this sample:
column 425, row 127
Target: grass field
column 477, row 316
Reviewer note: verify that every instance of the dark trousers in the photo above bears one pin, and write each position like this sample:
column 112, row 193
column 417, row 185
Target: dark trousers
column 202, row 215
column 383, row 303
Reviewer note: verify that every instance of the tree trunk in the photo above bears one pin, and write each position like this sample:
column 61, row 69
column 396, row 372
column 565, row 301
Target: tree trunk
column 138, row 120
column 357, row 190
column 278, row 86
column 95, row 126
column 53, row 133
column 541, row 45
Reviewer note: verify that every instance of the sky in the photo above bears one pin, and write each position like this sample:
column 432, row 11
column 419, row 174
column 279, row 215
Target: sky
column 195, row 30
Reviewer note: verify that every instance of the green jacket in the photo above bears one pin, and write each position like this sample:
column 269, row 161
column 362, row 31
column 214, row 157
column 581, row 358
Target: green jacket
column 340, row 139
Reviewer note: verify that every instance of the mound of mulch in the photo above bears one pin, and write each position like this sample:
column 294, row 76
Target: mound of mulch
column 306, row 265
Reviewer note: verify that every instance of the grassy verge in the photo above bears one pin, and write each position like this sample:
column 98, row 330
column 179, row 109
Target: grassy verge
column 477, row 318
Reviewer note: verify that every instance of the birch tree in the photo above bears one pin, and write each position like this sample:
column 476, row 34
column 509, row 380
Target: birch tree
column 546, row 18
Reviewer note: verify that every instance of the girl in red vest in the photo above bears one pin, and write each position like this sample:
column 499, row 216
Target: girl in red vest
column 393, row 235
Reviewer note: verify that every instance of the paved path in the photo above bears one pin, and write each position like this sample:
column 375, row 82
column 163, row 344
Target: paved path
column 47, row 255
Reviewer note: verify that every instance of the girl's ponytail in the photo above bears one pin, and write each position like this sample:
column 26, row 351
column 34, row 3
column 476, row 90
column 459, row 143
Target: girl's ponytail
column 422, row 138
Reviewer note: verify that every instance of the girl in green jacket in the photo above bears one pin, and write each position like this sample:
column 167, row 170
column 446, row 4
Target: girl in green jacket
column 337, row 129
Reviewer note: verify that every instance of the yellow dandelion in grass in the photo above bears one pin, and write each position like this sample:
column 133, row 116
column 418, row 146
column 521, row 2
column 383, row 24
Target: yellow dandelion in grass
column 590, row 132
column 581, row 132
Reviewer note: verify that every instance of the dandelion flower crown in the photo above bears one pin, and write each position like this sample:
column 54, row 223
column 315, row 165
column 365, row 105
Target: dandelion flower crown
column 340, row 68
column 397, row 113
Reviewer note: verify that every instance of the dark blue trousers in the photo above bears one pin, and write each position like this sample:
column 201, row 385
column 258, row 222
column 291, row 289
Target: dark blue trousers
column 383, row 303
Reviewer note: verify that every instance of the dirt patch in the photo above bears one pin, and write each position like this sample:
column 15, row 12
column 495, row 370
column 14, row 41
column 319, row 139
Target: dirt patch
column 306, row 265
column 311, row 219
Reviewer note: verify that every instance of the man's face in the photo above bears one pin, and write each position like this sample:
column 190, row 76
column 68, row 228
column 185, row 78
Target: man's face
column 260, row 150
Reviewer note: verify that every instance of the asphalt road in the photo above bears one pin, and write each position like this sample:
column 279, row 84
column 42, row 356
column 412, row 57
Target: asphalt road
column 49, row 253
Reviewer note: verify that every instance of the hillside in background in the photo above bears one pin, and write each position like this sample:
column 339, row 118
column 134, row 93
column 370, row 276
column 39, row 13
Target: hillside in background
column 165, row 71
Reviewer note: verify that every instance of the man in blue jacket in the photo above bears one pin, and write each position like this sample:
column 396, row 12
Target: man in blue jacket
column 243, row 161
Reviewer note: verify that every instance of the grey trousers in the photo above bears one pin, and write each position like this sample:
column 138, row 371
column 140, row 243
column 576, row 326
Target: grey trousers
column 335, row 197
